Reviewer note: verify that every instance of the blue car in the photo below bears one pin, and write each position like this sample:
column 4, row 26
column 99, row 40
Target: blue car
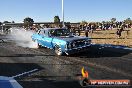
column 61, row 40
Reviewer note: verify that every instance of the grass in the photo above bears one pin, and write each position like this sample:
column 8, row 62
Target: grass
column 110, row 37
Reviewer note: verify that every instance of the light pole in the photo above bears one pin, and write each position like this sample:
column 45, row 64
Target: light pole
column 63, row 13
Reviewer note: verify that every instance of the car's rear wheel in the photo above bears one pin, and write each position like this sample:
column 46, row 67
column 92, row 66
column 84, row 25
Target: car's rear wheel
column 37, row 45
column 58, row 51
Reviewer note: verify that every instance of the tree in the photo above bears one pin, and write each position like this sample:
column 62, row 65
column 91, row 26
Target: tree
column 13, row 22
column 83, row 22
column 28, row 22
column 6, row 22
column 57, row 21
column 113, row 20
column 103, row 22
column 0, row 23
column 128, row 21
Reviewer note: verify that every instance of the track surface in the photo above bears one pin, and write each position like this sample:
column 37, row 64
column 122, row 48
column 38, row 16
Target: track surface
column 102, row 62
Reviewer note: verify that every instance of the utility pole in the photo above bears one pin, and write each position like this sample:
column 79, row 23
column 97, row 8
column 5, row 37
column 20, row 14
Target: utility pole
column 63, row 13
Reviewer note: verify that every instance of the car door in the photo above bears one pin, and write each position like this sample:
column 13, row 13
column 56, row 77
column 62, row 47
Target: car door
column 48, row 40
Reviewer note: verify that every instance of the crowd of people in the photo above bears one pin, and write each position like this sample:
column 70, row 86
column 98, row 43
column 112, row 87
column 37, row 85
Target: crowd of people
column 90, row 27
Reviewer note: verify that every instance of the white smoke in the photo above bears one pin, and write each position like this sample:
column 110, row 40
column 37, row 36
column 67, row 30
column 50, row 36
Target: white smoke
column 22, row 37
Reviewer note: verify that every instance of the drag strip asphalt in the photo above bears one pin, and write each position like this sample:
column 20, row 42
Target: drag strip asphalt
column 101, row 61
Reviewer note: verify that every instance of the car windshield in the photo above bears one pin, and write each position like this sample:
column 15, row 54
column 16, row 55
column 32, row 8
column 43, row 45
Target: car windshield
column 60, row 32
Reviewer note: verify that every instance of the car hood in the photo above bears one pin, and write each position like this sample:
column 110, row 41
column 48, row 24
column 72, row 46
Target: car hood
column 71, row 38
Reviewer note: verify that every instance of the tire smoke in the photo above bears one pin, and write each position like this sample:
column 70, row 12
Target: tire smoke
column 22, row 37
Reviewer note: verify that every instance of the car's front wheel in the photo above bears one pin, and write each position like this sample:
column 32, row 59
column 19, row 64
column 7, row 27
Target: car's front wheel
column 58, row 51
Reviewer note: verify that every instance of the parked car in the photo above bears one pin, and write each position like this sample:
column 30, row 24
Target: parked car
column 61, row 40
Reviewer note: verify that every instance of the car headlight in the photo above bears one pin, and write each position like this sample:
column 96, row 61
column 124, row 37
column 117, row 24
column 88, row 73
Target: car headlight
column 73, row 45
column 87, row 41
column 69, row 46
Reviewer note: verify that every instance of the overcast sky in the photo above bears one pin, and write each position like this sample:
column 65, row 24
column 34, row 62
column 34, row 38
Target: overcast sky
column 75, row 10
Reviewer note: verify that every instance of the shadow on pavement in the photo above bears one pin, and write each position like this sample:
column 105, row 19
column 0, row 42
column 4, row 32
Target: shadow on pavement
column 24, row 55
column 97, row 51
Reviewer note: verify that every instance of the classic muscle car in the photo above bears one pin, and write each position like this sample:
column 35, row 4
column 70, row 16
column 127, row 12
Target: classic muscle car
column 61, row 40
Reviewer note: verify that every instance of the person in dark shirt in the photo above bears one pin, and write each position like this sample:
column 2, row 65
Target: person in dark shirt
column 119, row 31
column 86, row 30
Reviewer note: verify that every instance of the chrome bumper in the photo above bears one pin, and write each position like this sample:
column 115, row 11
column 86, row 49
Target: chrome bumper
column 77, row 50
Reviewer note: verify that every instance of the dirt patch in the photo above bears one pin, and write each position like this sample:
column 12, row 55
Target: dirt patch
column 110, row 37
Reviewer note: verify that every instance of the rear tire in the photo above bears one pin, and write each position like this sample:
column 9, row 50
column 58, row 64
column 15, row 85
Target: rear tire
column 58, row 51
column 37, row 44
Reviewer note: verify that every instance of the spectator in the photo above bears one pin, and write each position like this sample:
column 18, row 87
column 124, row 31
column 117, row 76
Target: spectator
column 119, row 31
column 86, row 30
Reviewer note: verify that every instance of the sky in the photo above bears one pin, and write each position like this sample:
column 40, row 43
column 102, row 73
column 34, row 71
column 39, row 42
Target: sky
column 75, row 10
